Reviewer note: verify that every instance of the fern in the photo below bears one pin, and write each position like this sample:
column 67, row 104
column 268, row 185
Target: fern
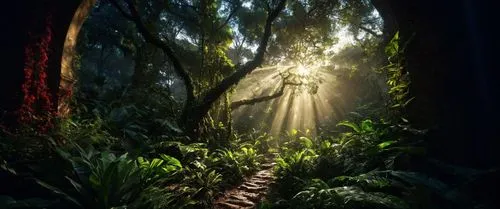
column 319, row 194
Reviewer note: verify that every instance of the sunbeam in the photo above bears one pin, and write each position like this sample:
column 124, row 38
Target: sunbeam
column 310, row 97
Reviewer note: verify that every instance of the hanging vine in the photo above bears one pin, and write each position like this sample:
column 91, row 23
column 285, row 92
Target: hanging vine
column 37, row 108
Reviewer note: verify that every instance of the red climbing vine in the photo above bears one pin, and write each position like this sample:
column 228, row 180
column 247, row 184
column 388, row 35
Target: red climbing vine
column 37, row 108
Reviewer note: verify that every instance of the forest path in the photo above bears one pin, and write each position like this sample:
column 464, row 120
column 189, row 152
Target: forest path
column 250, row 192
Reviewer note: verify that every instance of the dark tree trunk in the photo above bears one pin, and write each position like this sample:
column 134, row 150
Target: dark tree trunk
column 141, row 59
column 387, row 13
column 24, row 22
column 451, row 64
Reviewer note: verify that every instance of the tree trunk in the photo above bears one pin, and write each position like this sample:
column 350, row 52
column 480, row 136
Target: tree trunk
column 25, row 23
column 390, row 26
column 450, row 60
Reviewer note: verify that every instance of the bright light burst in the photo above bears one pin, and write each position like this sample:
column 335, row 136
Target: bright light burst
column 303, row 71
column 295, row 108
column 313, row 96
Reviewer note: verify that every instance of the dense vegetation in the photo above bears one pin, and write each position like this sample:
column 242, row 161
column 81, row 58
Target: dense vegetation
column 151, row 121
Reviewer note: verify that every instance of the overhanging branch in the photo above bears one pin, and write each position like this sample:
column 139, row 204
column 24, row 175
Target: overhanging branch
column 214, row 93
column 155, row 40
column 369, row 31
column 253, row 101
column 121, row 10
column 228, row 18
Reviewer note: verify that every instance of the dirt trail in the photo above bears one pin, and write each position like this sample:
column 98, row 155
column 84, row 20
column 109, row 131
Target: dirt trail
column 249, row 193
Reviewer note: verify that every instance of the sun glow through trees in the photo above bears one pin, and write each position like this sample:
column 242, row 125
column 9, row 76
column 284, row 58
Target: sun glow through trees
column 303, row 71
column 308, row 98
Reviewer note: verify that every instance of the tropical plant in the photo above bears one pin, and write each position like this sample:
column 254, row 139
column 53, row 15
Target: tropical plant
column 204, row 181
column 398, row 78
column 91, row 131
column 102, row 180
column 249, row 159
column 156, row 169
column 197, row 189
column 263, row 142
column 319, row 194
column 293, row 170
column 297, row 164
column 226, row 162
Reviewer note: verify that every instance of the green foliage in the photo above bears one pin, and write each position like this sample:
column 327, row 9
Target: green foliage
column 397, row 77
column 215, row 133
column 409, row 185
column 365, row 166
column 194, row 152
column 227, row 163
column 204, row 181
column 295, row 140
column 205, row 174
column 234, row 165
column 292, row 169
column 318, row 194
column 363, row 147
column 197, row 188
column 366, row 126
column 366, row 181
column 304, row 32
column 102, row 180
column 90, row 131
column 263, row 142
column 354, row 126
column 128, row 109
column 137, row 116
column 112, row 182
column 158, row 168
column 371, row 144
column 297, row 164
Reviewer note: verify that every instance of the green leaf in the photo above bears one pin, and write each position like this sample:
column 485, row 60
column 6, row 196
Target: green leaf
column 367, row 126
column 393, row 47
column 171, row 161
column 396, row 105
column 305, row 141
column 385, row 144
column 59, row 192
column 408, row 101
column 349, row 124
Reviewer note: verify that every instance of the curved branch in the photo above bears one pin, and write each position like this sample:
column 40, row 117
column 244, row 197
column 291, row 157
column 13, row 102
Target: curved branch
column 228, row 18
column 214, row 93
column 253, row 101
column 121, row 10
column 360, row 26
column 373, row 33
column 153, row 39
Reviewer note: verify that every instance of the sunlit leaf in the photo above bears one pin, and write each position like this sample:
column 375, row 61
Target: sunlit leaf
column 305, row 141
column 385, row 144
column 349, row 124
column 367, row 126
column 171, row 161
